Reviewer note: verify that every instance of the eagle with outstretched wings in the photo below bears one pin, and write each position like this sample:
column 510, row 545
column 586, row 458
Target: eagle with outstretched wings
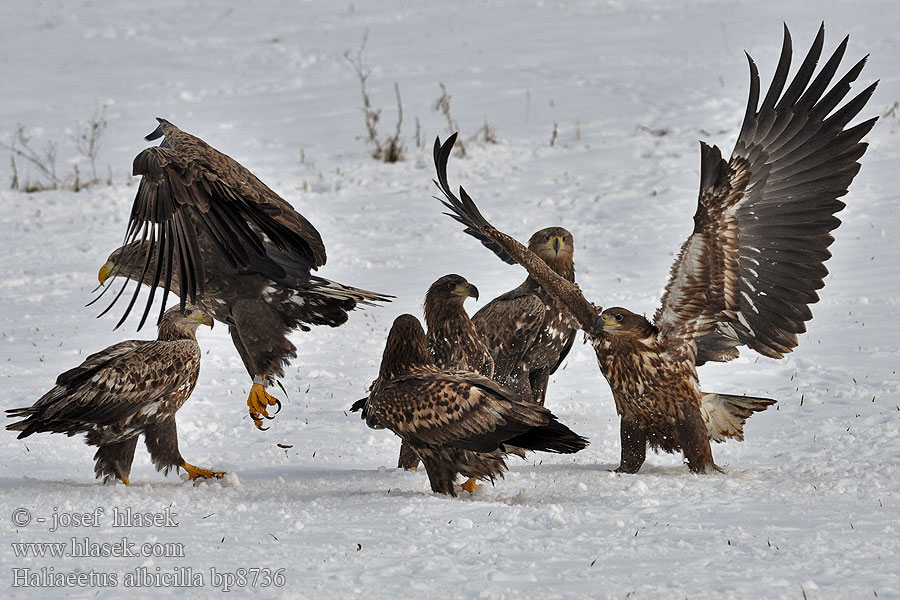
column 745, row 276
column 206, row 229
column 130, row 389
column 456, row 422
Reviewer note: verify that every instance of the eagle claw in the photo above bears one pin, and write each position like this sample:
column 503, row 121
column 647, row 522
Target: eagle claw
column 470, row 485
column 258, row 400
column 194, row 472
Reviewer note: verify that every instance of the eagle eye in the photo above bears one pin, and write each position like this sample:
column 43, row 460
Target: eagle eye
column 619, row 317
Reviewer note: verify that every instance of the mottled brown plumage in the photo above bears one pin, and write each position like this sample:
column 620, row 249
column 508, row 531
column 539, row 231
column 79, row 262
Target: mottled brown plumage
column 745, row 276
column 131, row 388
column 205, row 228
column 452, row 339
column 529, row 332
column 456, row 421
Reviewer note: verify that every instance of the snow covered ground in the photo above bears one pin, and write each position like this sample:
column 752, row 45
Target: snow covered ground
column 809, row 504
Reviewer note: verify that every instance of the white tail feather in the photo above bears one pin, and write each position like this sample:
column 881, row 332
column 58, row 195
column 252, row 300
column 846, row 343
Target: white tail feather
column 725, row 415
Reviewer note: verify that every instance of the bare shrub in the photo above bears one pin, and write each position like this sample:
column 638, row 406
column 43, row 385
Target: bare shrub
column 442, row 105
column 87, row 144
column 87, row 139
column 44, row 160
column 389, row 149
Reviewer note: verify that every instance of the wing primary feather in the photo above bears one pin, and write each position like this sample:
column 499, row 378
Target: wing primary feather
column 158, row 241
column 155, row 134
column 134, row 296
column 144, row 232
column 752, row 101
column 185, row 265
column 781, row 73
column 441, row 157
column 804, row 73
column 169, row 254
column 834, row 96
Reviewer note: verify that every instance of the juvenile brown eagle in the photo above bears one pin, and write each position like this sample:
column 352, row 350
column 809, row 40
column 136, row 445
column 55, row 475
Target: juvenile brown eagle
column 452, row 339
column 205, row 228
column 528, row 331
column 455, row 421
column 745, row 276
column 131, row 388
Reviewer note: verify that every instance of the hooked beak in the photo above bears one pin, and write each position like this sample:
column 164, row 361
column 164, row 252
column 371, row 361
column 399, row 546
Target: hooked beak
column 205, row 319
column 604, row 323
column 104, row 273
column 466, row 290
column 556, row 243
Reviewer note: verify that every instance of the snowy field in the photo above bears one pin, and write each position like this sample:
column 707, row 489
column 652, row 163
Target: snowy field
column 808, row 505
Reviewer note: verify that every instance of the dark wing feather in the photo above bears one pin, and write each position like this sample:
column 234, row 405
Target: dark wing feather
column 509, row 325
column 457, row 408
column 748, row 272
column 464, row 210
column 109, row 387
column 441, row 155
column 187, row 187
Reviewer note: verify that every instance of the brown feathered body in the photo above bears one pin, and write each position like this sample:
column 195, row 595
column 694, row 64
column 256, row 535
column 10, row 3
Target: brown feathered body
column 457, row 422
column 452, row 339
column 745, row 276
column 527, row 330
column 131, row 388
column 653, row 378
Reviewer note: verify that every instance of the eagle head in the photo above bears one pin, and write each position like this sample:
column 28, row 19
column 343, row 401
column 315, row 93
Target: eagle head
column 556, row 247
column 127, row 261
column 620, row 321
column 452, row 286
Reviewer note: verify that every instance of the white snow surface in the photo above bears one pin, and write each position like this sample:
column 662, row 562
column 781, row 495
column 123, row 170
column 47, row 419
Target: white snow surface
column 807, row 507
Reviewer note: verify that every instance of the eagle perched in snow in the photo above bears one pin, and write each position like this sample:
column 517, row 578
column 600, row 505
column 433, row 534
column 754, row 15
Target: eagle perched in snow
column 455, row 421
column 452, row 339
column 745, row 276
column 131, row 388
column 205, row 228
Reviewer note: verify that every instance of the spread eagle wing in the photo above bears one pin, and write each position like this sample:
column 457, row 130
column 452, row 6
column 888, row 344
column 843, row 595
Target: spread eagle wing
column 188, row 188
column 463, row 209
column 456, row 408
column 751, row 267
column 110, row 386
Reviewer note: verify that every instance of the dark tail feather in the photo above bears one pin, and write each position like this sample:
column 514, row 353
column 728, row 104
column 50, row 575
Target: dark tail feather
column 554, row 437
column 28, row 425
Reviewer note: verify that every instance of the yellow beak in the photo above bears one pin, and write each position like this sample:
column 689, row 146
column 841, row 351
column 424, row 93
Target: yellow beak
column 467, row 289
column 556, row 243
column 104, row 273
column 203, row 319
column 609, row 323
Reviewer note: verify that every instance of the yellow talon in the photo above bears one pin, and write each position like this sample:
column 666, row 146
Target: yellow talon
column 195, row 472
column 415, row 468
column 258, row 400
column 471, row 485
column 126, row 481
